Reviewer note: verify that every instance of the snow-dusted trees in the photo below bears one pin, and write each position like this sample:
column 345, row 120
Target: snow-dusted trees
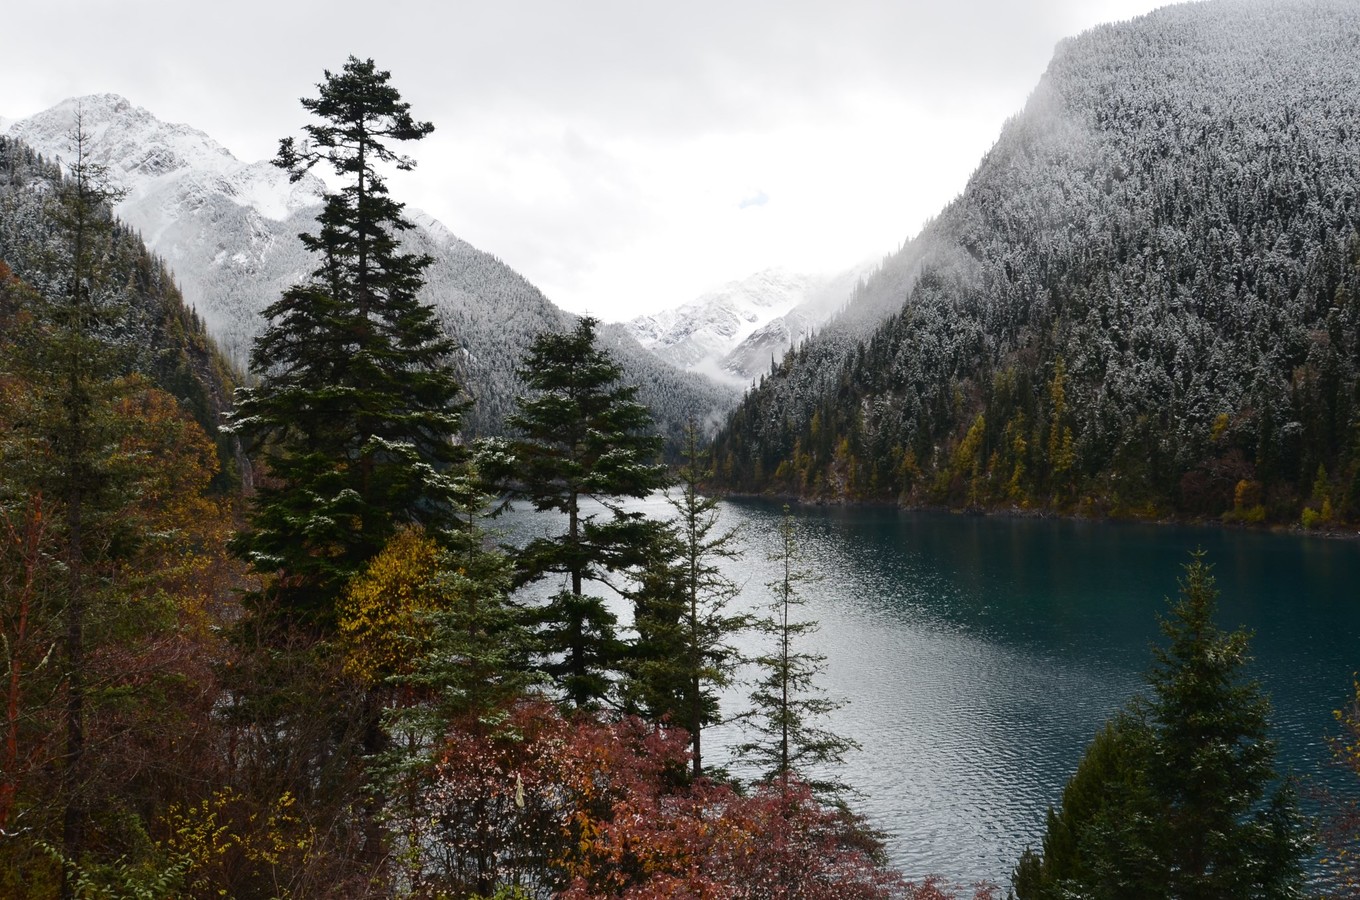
column 585, row 438
column 1169, row 229
column 357, row 404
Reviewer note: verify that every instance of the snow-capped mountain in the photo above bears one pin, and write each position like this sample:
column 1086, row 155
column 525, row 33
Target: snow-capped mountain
column 707, row 329
column 228, row 229
column 827, row 296
column 731, row 331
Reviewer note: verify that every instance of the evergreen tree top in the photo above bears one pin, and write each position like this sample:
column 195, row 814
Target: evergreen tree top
column 359, row 109
column 358, row 404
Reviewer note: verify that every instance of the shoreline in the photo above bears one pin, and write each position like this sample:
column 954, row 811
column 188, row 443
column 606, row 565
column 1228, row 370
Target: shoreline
column 1015, row 512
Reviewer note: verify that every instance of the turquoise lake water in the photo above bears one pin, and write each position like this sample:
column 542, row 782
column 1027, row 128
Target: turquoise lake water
column 979, row 655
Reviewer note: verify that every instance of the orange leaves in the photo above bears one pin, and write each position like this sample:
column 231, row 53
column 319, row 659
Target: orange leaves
column 181, row 527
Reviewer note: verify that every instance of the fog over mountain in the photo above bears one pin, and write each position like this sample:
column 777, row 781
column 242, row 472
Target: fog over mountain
column 1144, row 302
column 732, row 332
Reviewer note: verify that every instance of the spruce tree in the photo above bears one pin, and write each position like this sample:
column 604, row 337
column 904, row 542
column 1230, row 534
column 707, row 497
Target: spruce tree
column 1178, row 798
column 683, row 656
column 787, row 701
column 1225, row 832
column 78, row 367
column 584, row 437
column 357, row 402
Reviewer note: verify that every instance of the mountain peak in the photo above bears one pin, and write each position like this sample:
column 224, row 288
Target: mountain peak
column 774, row 306
column 129, row 140
column 160, row 163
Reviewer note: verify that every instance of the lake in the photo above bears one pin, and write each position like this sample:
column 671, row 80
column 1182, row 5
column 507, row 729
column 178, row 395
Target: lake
column 979, row 655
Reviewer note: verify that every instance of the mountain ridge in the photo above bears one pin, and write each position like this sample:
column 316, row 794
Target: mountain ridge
column 228, row 231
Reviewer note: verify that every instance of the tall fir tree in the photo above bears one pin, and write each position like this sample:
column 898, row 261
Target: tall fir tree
column 357, row 405
column 584, row 437
column 683, row 654
column 1228, row 831
column 78, row 434
column 1178, row 798
column 355, row 418
column 787, row 701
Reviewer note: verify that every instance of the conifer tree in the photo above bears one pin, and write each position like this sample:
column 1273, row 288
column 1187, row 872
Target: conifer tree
column 584, row 438
column 357, row 401
column 354, row 417
column 1178, row 798
column 1226, row 833
column 77, row 431
column 787, row 700
column 683, row 655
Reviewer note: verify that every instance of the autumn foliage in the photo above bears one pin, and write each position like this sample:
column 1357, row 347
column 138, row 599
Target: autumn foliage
column 584, row 807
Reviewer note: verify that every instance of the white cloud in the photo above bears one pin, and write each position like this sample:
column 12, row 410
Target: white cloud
column 621, row 155
column 754, row 198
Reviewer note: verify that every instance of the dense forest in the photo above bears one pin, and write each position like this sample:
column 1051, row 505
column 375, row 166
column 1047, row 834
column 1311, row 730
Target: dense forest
column 1143, row 304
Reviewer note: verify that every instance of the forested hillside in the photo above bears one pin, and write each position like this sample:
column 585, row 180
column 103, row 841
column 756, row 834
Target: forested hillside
column 493, row 313
column 155, row 334
column 228, row 231
column 1144, row 302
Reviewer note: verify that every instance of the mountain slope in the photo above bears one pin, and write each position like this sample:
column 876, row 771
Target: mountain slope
column 228, row 230
column 1144, row 302
column 158, row 336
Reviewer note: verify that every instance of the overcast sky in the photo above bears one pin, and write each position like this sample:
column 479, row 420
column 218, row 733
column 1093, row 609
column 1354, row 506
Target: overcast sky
column 624, row 156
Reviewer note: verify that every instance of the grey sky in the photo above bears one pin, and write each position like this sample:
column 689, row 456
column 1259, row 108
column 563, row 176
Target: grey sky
column 624, row 156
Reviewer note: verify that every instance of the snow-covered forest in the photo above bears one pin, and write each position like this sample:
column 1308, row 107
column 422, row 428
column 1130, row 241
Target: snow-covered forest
column 1144, row 302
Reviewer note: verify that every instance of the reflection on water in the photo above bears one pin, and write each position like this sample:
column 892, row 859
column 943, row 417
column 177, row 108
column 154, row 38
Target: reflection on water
column 979, row 655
